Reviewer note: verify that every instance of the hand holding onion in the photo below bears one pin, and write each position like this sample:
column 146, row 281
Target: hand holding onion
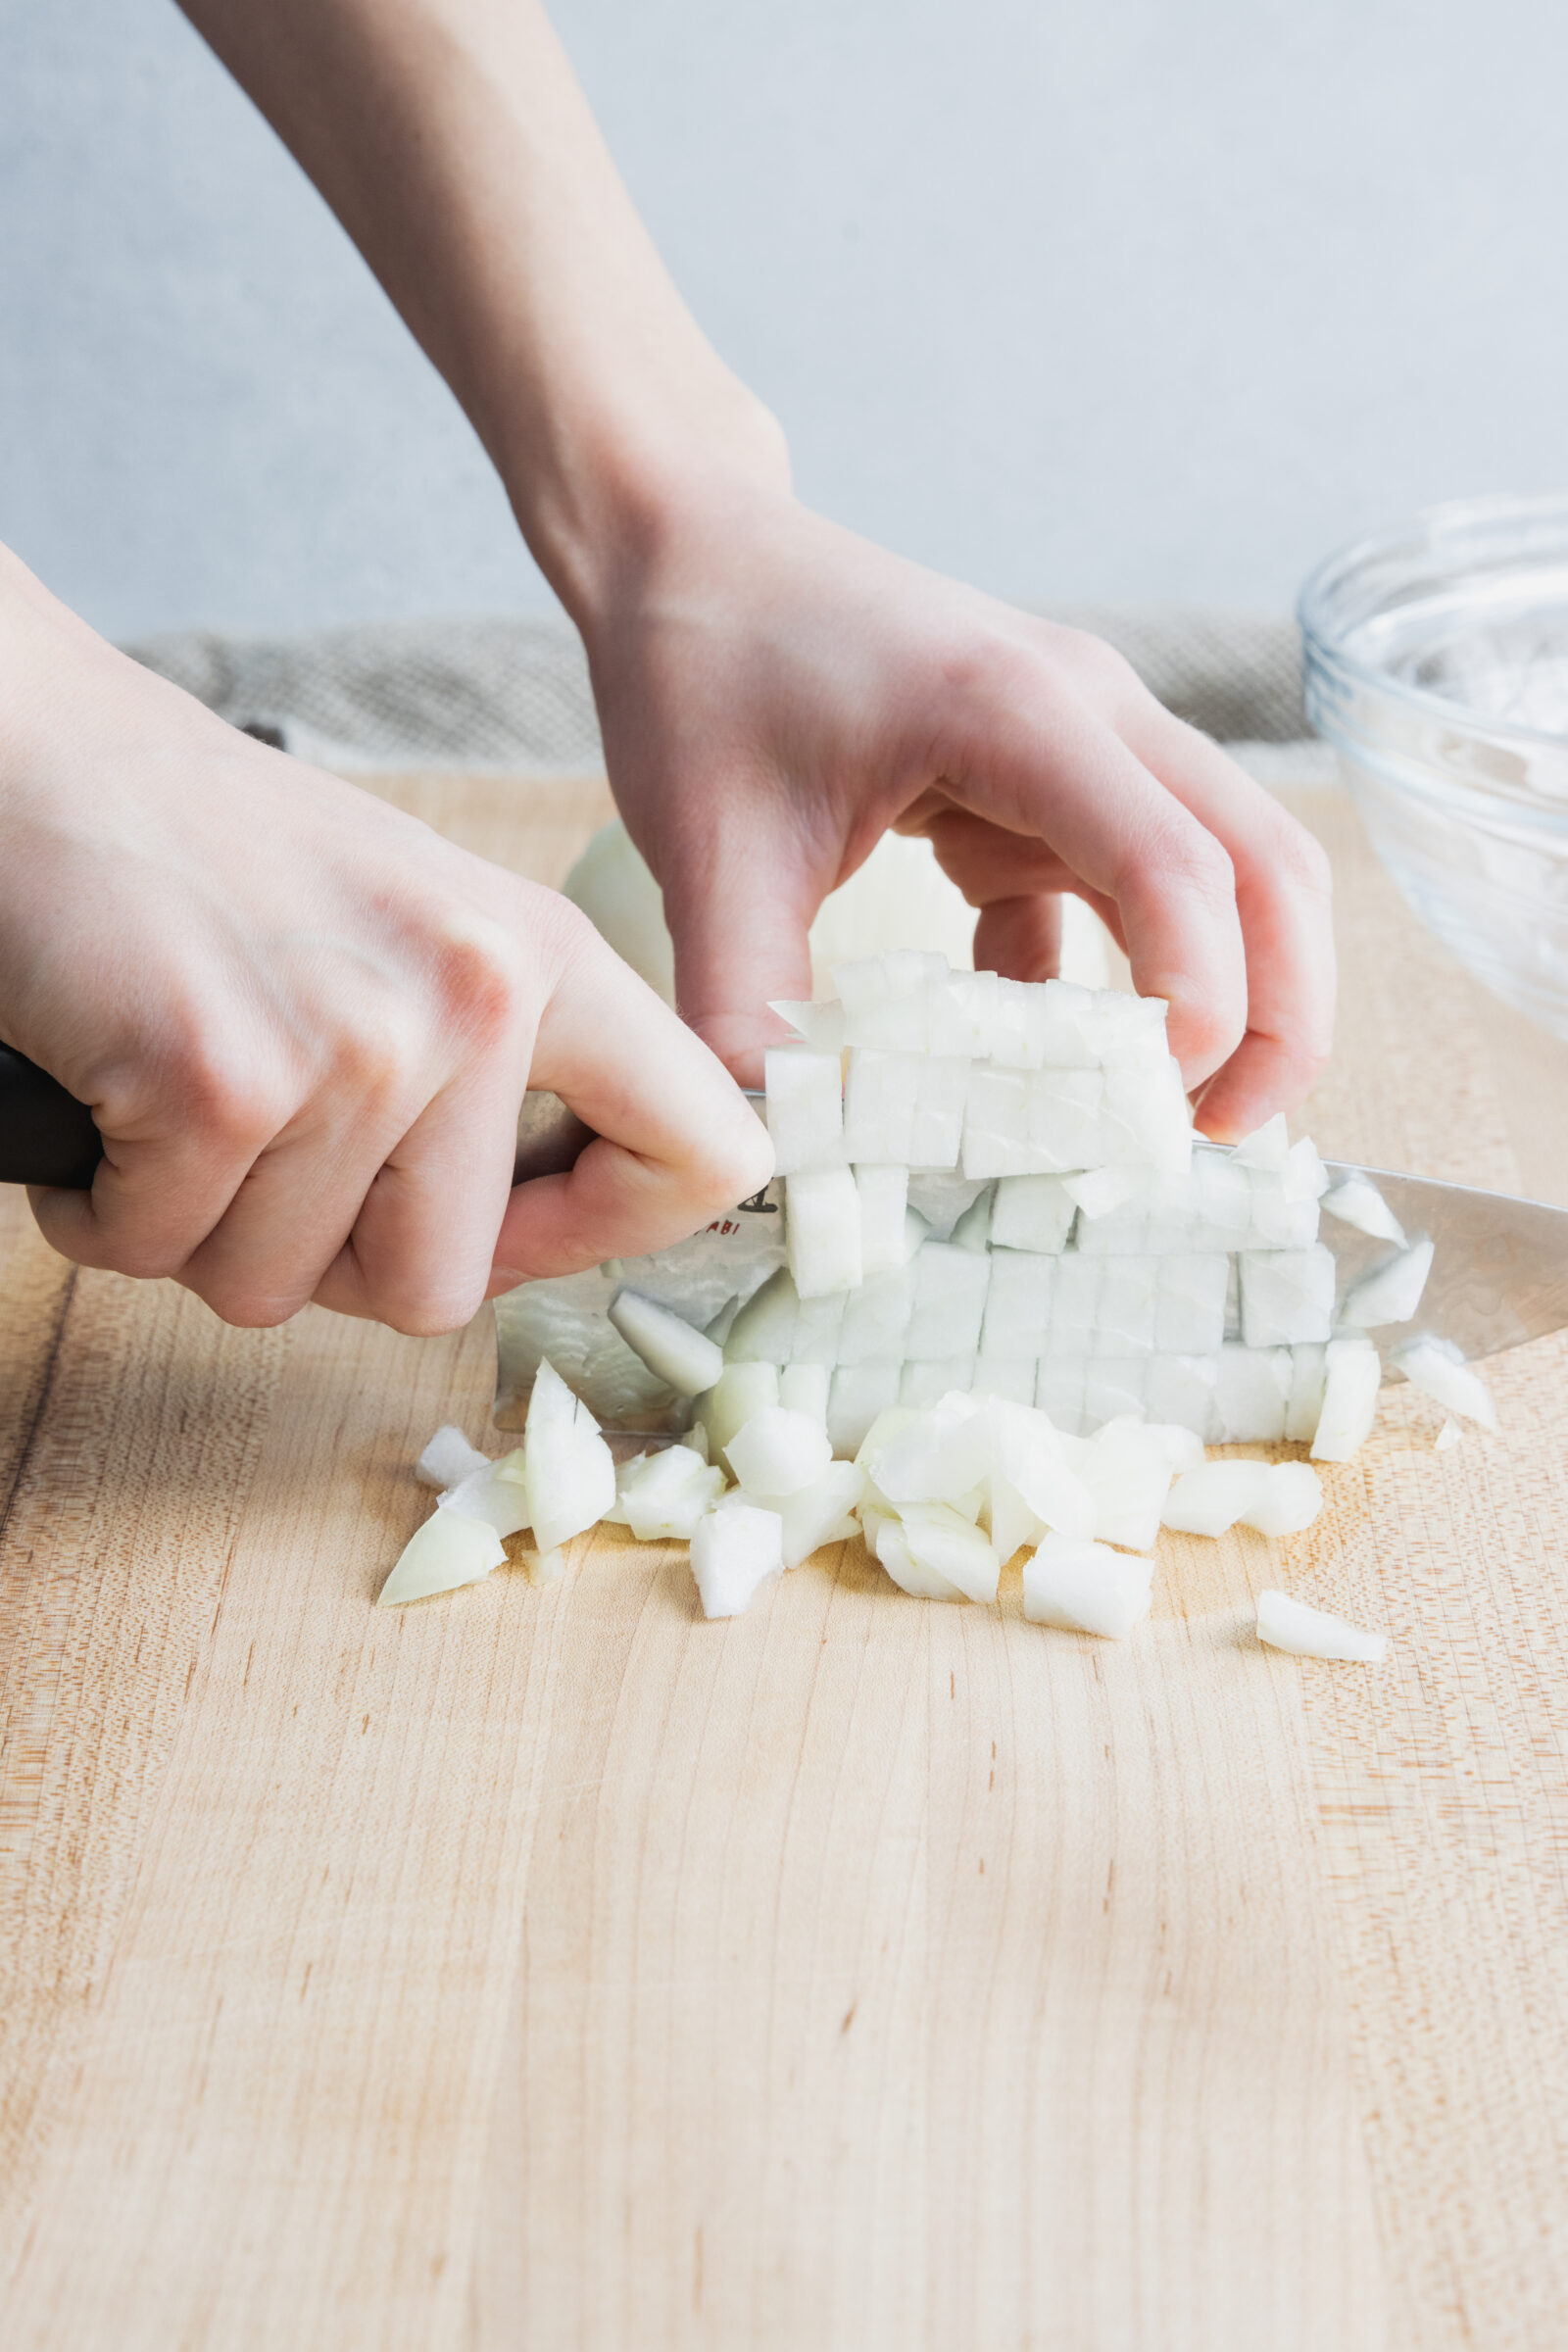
column 305, row 1023
column 776, row 692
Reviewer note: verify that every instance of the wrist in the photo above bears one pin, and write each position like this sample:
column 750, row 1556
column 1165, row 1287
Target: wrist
column 603, row 506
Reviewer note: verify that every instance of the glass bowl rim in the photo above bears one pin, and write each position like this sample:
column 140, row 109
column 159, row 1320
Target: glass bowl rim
column 1320, row 646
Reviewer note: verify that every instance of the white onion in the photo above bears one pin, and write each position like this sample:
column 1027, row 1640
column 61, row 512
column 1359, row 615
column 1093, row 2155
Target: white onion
column 777, row 1453
column 892, row 1548
column 1357, row 1202
column 822, row 1232
column 1440, row 1371
column 1127, row 1471
column 805, row 1388
column 1286, row 1296
column 1085, row 1588
column 492, row 1493
column 1211, row 1498
column 669, row 1494
column 820, row 1026
column 1450, row 1433
column 448, row 1550
column 1292, row 1500
column 936, row 1456
column 740, row 1391
column 449, row 1459
column 1304, row 1176
column 1098, row 1190
column 944, row 1541
column 1031, row 1212
column 1290, row 1625
column 884, row 1198
column 805, row 1109
column 733, row 1552
column 821, row 1512
column 684, row 1359
column 1392, row 1292
column 570, row 1470
column 1353, row 1374
column 1267, row 1148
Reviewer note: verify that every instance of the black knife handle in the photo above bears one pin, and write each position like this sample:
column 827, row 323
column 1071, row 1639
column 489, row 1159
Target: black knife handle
column 46, row 1136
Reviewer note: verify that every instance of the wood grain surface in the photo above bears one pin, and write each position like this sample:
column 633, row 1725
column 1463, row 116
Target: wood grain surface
column 552, row 1969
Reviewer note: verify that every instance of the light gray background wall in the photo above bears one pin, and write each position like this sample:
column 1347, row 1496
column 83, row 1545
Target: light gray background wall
column 1087, row 299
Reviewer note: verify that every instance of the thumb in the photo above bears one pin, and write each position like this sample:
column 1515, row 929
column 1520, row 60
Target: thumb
column 739, row 913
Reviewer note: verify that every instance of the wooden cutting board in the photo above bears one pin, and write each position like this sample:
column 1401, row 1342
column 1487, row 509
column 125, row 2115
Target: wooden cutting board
column 553, row 1969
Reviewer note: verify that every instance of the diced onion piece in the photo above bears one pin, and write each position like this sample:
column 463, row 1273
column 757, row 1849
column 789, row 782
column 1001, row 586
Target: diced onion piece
column 1029, row 1460
column 1099, row 1190
column 1440, row 1371
column 447, row 1552
column 1449, row 1435
column 1184, row 1447
column 892, row 1548
column 1290, row 1625
column 1012, row 1522
column 1293, row 1496
column 822, row 1232
column 1267, row 1148
column 1085, row 1588
column 885, row 998
column 625, row 1472
column 1031, row 1212
column 684, row 1359
column 777, row 1453
column 1208, row 1500
column 763, row 1330
column 1358, row 1202
column 946, row 1541
column 805, row 1108
column 547, row 1567
column 820, row 1026
column 493, row 1494
column 1353, row 1374
column 1304, row 1176
column 1392, row 1292
column 740, row 1391
column 973, row 1229
column 733, row 1552
column 822, row 1512
column 570, row 1470
column 805, row 1388
column 449, row 1459
column 937, row 1455
column 884, row 1198
column 669, row 1494
column 1127, row 1470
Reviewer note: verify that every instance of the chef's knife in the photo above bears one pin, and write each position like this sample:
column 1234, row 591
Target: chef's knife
column 48, row 1136
column 1499, row 1272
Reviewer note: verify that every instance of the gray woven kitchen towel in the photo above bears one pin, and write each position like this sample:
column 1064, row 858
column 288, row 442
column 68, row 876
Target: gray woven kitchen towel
column 513, row 695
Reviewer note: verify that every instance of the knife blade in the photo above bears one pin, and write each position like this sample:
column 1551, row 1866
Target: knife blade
column 1500, row 1273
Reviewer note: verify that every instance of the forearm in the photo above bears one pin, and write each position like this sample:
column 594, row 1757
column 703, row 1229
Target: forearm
column 453, row 142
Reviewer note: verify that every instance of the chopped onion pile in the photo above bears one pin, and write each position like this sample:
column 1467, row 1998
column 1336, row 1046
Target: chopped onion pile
column 1029, row 1358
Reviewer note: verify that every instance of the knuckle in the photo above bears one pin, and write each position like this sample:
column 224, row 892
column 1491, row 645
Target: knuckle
column 1303, row 860
column 481, row 972
column 430, row 1313
column 1180, row 851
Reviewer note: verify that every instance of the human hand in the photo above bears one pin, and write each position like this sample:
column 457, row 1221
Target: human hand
column 305, row 1023
column 775, row 693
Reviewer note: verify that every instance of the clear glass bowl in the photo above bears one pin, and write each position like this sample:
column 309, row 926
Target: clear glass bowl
column 1437, row 665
